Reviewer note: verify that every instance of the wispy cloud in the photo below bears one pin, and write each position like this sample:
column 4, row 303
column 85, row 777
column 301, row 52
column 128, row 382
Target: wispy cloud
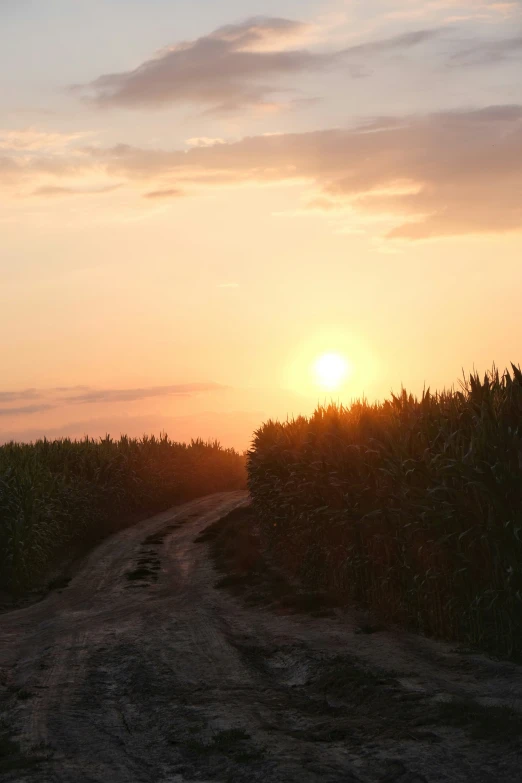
column 50, row 399
column 481, row 53
column 204, row 141
column 57, row 190
column 447, row 10
column 32, row 139
column 132, row 395
column 234, row 67
column 26, row 410
column 166, row 193
column 16, row 396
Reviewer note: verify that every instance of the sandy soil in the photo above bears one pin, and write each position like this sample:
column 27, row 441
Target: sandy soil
column 142, row 670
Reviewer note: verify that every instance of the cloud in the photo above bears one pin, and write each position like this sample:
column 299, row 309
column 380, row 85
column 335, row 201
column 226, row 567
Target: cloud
column 204, row 141
column 53, row 190
column 16, row 396
column 31, row 139
column 67, row 389
column 167, row 193
column 50, row 399
column 25, row 409
column 440, row 174
column 57, row 190
column 233, row 67
column 11, row 170
column 488, row 52
column 449, row 10
column 132, row 395
column 395, row 43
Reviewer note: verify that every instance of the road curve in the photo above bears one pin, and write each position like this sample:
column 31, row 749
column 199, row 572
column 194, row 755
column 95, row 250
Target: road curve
column 141, row 671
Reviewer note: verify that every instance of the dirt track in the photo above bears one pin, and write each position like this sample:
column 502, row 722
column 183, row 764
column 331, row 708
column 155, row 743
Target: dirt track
column 141, row 670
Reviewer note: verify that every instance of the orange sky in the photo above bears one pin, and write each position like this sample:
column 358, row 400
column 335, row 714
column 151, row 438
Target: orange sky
column 198, row 202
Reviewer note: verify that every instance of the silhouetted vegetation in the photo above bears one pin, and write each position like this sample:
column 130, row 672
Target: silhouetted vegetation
column 61, row 493
column 412, row 507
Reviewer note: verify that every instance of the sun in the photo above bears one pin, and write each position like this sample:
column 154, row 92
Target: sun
column 331, row 370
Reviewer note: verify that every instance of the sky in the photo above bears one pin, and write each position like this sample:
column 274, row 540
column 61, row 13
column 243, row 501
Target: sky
column 198, row 199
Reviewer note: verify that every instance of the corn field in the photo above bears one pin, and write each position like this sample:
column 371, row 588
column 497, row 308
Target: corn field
column 412, row 507
column 54, row 494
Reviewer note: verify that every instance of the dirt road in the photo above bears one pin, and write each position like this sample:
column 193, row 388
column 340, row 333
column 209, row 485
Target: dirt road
column 141, row 670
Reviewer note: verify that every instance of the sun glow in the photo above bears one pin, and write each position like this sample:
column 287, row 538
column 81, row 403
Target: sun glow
column 331, row 370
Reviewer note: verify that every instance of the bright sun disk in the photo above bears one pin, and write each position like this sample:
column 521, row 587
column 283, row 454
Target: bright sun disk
column 331, row 370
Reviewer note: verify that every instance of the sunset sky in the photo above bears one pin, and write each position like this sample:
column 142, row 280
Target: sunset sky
column 199, row 198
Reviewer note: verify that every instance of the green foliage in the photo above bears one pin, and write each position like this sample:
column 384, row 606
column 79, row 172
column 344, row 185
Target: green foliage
column 411, row 506
column 57, row 493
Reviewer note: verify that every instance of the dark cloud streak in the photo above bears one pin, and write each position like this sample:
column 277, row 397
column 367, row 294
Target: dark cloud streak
column 55, row 190
column 26, row 409
column 16, row 396
column 167, row 193
column 84, row 395
column 132, row 395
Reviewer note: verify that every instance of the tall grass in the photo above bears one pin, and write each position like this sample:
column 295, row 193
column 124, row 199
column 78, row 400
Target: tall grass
column 58, row 493
column 411, row 506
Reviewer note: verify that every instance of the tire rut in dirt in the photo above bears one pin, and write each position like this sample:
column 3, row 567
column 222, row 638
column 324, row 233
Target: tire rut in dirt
column 148, row 562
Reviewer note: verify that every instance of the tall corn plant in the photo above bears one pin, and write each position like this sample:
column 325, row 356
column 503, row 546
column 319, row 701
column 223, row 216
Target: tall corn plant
column 59, row 493
column 412, row 506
